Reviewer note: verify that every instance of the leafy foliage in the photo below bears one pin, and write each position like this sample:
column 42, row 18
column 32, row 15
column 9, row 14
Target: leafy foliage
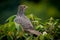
column 50, row 29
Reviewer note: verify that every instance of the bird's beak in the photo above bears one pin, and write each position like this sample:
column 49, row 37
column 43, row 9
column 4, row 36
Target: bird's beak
column 26, row 6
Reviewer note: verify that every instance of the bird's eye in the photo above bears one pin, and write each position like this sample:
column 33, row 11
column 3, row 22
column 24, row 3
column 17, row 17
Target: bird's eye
column 24, row 6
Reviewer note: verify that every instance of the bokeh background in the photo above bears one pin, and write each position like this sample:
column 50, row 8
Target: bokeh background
column 40, row 8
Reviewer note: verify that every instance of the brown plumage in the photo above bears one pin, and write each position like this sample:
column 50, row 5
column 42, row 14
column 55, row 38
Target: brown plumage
column 24, row 21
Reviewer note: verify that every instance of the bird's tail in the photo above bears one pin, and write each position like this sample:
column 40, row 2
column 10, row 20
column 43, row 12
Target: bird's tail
column 34, row 32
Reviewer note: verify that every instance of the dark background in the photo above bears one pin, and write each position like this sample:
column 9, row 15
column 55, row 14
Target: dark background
column 41, row 8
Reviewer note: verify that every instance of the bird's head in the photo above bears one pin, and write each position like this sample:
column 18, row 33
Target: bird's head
column 22, row 7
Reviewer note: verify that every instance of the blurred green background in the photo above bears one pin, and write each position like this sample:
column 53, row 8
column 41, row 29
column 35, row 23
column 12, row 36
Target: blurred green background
column 41, row 8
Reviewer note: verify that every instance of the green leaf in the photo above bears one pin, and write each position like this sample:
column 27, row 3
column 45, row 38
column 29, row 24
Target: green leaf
column 10, row 19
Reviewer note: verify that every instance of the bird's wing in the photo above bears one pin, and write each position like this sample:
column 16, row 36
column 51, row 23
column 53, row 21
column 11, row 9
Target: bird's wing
column 25, row 22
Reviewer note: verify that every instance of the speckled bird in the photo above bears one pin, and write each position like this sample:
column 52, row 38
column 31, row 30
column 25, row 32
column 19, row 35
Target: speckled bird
column 24, row 21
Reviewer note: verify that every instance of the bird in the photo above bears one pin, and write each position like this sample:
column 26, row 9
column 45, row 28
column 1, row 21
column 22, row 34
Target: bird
column 24, row 20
